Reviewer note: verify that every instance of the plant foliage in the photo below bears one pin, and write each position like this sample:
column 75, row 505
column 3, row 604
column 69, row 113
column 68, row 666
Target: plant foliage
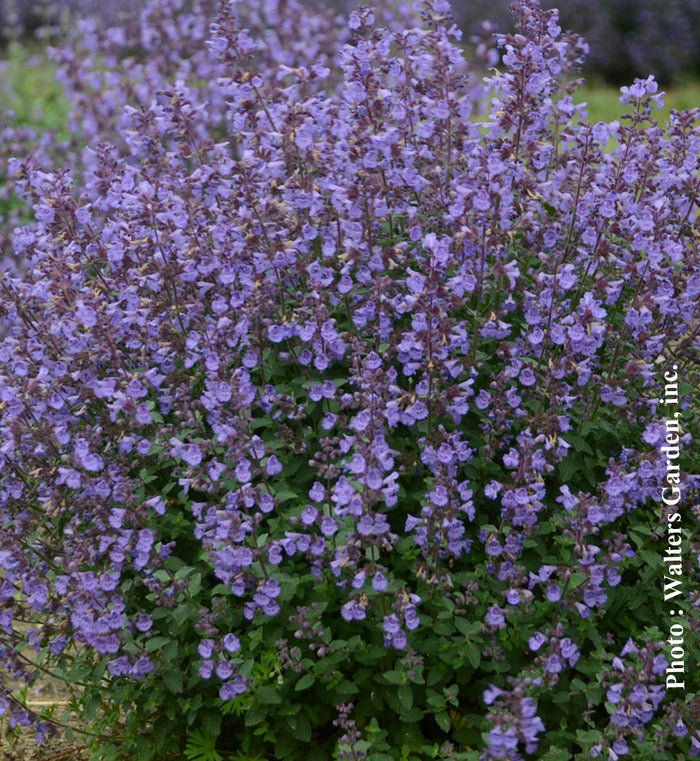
column 329, row 419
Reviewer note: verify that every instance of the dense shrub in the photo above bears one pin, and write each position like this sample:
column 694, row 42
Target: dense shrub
column 328, row 413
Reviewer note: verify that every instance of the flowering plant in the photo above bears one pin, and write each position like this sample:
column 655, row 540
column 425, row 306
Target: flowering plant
column 329, row 414
column 632, row 37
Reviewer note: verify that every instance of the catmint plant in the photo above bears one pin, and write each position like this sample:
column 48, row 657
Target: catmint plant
column 630, row 37
column 329, row 410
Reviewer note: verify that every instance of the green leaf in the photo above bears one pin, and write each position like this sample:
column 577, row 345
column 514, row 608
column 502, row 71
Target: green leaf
column 557, row 754
column 254, row 715
column 473, row 653
column 415, row 714
column 394, row 677
column 155, row 643
column 436, row 675
column 282, row 495
column 195, row 585
column 181, row 613
column 147, row 475
column 345, row 689
column 300, row 726
column 467, row 627
column 443, row 721
column 305, row 682
column 405, row 697
column 268, row 695
column 578, row 444
column 561, row 697
column 285, row 746
column 211, row 723
column 161, row 730
column 172, row 679
column 183, row 571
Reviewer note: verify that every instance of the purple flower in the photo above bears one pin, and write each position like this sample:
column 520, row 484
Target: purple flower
column 328, row 525
column 143, row 666
column 553, row 664
column 495, row 617
column 143, row 622
column 231, row 643
column 491, row 694
column 86, row 315
column 224, row 669
column 379, row 582
column 391, row 624
column 553, row 592
column 119, row 666
column 353, row 611
column 438, row 496
column 273, row 466
column 620, row 747
column 231, row 689
column 191, row 454
column 206, row 648
column 243, row 472
column 536, row 641
column 399, row 640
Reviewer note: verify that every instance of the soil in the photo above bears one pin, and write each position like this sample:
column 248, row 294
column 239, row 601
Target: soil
column 24, row 746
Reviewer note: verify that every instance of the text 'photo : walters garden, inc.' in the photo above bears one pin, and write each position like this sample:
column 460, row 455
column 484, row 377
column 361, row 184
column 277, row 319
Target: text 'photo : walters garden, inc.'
column 349, row 380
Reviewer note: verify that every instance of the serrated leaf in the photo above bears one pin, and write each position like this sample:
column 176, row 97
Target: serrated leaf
column 285, row 494
column 285, row 746
column 435, row 676
column 578, row 444
column 473, row 653
column 195, row 585
column 268, row 695
column 305, row 682
column 183, row 572
column 346, row 689
column 211, row 723
column 393, row 677
column 300, row 726
column 156, row 643
column 443, row 721
column 415, row 714
column 466, row 627
column 172, row 679
column 557, row 754
column 181, row 613
column 405, row 694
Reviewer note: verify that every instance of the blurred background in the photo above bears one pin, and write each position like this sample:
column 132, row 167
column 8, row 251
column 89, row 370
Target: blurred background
column 628, row 38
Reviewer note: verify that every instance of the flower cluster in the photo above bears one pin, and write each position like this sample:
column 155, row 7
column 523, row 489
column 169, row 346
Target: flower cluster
column 515, row 721
column 307, row 368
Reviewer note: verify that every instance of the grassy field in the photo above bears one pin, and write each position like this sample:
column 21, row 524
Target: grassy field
column 28, row 88
column 604, row 104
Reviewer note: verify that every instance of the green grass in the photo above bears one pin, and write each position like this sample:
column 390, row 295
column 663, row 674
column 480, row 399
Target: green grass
column 28, row 87
column 604, row 104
